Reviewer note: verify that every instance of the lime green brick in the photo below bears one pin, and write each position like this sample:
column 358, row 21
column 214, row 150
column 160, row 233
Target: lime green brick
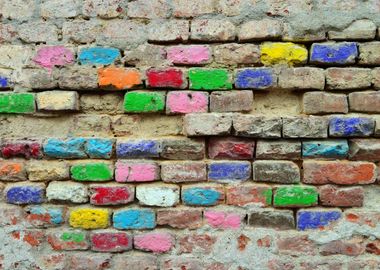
column 91, row 172
column 76, row 237
column 17, row 103
column 139, row 102
column 209, row 79
column 295, row 196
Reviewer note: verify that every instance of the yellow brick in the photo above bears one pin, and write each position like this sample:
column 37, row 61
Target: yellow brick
column 88, row 218
column 283, row 53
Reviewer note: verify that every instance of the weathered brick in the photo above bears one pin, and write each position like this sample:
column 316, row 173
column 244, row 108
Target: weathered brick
column 32, row 237
column 25, row 193
column 255, row 78
column 249, row 194
column 200, row 124
column 45, row 216
column 202, row 195
column 331, row 195
column 148, row 9
column 110, row 241
column 21, row 148
column 339, row 172
column 80, row 31
column 352, row 247
column 231, row 101
column 364, row 149
column 105, row 103
column 324, row 103
column 209, row 79
column 92, row 172
column 136, row 219
column 18, row 9
column 277, row 171
column 103, row 9
column 269, row 218
column 182, row 102
column 182, row 8
column 11, row 215
column 358, row 30
column 166, row 78
column 180, row 218
column 183, row 149
column 257, row 126
column 60, row 239
column 260, row 30
column 89, row 218
column 32, row 78
column 136, row 171
column 224, row 219
column 78, row 78
column 368, row 101
column 144, row 102
column 99, row 148
column 119, row 78
column 5, row 76
column 293, row 34
column 232, row 54
column 302, row 78
column 369, row 53
column 38, row 31
column 194, row 242
column 230, row 148
column 158, row 195
column 189, row 55
column 348, row 78
column 53, row 56
column 317, row 218
column 111, row 194
column 156, row 242
column 135, row 261
column 296, row 246
column 212, row 30
column 67, row 192
column 283, row 53
column 235, row 171
column 333, row 53
column 17, row 103
column 57, row 101
column 91, row 125
column 53, row 9
column 70, row 148
column 351, row 126
column 17, row 56
column 183, row 171
column 169, row 31
column 12, row 171
column 325, row 149
column 279, row 149
column 295, row 196
column 138, row 148
column 305, row 127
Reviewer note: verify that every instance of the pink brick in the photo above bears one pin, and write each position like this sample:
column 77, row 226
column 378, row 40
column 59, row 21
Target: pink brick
column 189, row 55
column 186, row 102
column 154, row 242
column 223, row 220
column 51, row 56
column 136, row 171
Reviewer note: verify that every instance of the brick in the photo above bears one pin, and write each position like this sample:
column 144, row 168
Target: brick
column 325, row 149
column 182, row 102
column 135, row 261
column 138, row 149
column 68, row 240
column 189, row 55
column 295, row 196
column 202, row 195
column 351, row 126
column 232, row 54
column 110, row 241
column 184, row 263
column 12, row 171
column 324, row 103
column 352, row 247
column 333, row 53
column 98, row 56
column 156, row 242
column 368, row 101
column 157, row 195
column 364, row 149
column 183, row 149
column 230, row 148
column 260, row 30
column 235, row 171
column 147, row 9
column 257, row 126
column 296, row 246
column 78, row 78
column 302, row 78
column 17, row 103
column 255, row 78
column 166, row 78
column 118, row 78
column 33, row 238
column 99, row 148
column 144, row 102
column 183, row 171
column 283, row 53
column 277, row 219
column 369, row 53
column 91, row 125
column 249, row 194
column 25, row 193
column 277, row 171
column 184, row 9
column 38, row 31
column 281, row 149
column 209, row 79
column 37, row 79
column 232, row 101
column 190, row 243
column 19, row 10
column 223, row 219
column 53, row 56
column 305, row 127
column 53, row 9
column 137, row 219
column 21, row 148
column 80, row 31
column 5, row 78
column 57, row 101
column 67, row 192
column 92, row 172
column 145, row 55
column 89, row 218
column 169, row 31
column 136, row 171
column 11, row 215
column 45, row 216
column 18, row 56
column 111, row 194
column 103, row 9
column 180, row 218
column 201, row 124
column 70, row 148
column 104, row 103
column 330, row 195
column 348, row 78
column 358, row 30
column 212, row 30
column 81, row 261
column 317, row 218
column 339, row 172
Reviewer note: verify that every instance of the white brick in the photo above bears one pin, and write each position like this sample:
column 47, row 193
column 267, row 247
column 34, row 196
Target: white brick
column 67, row 191
column 158, row 195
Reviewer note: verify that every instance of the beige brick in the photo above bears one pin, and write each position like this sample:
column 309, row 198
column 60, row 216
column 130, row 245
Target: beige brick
column 199, row 124
column 36, row 79
column 260, row 30
column 148, row 9
column 91, row 126
column 376, row 78
column 104, row 103
column 369, row 53
column 187, row 9
column 58, row 101
column 78, row 78
column 324, row 103
column 103, row 8
column 166, row 31
column 230, row 7
column 38, row 31
column 302, row 78
column 48, row 170
column 348, row 78
column 59, row 9
column 80, row 31
column 18, row 9
column 231, row 101
column 212, row 30
column 233, row 54
column 360, row 29
column 15, row 56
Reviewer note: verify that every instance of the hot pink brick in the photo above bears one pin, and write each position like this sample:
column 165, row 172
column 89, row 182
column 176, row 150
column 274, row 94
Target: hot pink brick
column 51, row 56
column 178, row 102
column 136, row 171
column 189, row 55
column 154, row 242
column 108, row 241
column 223, row 220
column 111, row 194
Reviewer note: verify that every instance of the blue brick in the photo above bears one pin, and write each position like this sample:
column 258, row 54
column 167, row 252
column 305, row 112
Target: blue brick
column 25, row 195
column 134, row 219
column 4, row 82
column 325, row 149
column 71, row 148
column 313, row 219
column 258, row 78
column 55, row 214
column 200, row 196
column 351, row 126
column 99, row 148
column 138, row 149
column 225, row 171
column 334, row 53
column 98, row 56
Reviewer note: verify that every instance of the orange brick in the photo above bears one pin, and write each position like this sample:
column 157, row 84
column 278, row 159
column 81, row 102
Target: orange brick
column 119, row 78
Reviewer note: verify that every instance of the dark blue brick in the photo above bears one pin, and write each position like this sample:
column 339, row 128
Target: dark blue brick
column 224, row 171
column 351, row 126
column 4, row 82
column 25, row 195
column 334, row 53
column 258, row 78
column 312, row 219
column 138, row 149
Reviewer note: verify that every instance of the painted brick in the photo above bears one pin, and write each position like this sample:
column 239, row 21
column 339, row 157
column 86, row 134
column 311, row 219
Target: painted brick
column 202, row 195
column 201, row 124
column 98, row 56
column 231, row 101
column 223, row 219
column 212, row 30
column 136, row 171
column 183, row 171
column 317, row 218
column 158, row 195
column 302, row 78
column 166, row 78
column 260, row 30
column 89, row 218
column 333, row 53
column 25, row 193
column 357, row 30
column 257, row 126
column 180, row 218
column 325, row 149
column 68, row 240
column 92, row 172
column 25, row 149
column 364, row 149
column 183, row 149
column 189, row 55
column 368, row 101
column 305, row 127
column 110, row 241
column 283, row 53
column 255, row 78
column 324, row 103
column 249, row 194
column 156, row 242
column 118, row 78
column 269, row 218
column 331, row 195
column 111, row 194
column 57, row 101
column 144, row 102
column 136, row 219
column 4, row 82
column 295, row 196
column 99, row 148
column 232, row 54
column 369, row 53
column 279, row 149
column 339, row 172
column 67, row 191
column 12, row 171
column 17, row 103
column 209, row 79
column 351, row 126
column 45, row 216
column 47, row 170
column 70, row 148
column 138, row 149
column 230, row 148
column 277, row 171
column 229, row 171
column 182, row 102
column 348, row 78
column 11, row 215
column 53, row 56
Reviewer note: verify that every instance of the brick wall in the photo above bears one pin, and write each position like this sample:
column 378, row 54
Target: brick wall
column 189, row 135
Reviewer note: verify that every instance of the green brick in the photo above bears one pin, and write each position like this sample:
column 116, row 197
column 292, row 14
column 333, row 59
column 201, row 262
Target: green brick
column 17, row 103
column 138, row 102
column 91, row 172
column 209, row 79
column 76, row 237
column 295, row 196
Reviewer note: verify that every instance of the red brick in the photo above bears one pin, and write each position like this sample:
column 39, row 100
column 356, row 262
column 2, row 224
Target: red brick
column 166, row 78
column 180, row 218
column 324, row 103
column 230, row 148
column 348, row 78
column 296, row 246
column 331, row 195
column 249, row 194
column 25, row 149
column 111, row 194
column 202, row 243
column 110, row 241
column 373, row 247
column 353, row 247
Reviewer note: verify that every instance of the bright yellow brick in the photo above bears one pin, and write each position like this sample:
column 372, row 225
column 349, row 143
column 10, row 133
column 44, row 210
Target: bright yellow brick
column 283, row 53
column 88, row 218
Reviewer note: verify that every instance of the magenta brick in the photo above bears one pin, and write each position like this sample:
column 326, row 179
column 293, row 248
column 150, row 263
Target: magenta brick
column 110, row 241
column 111, row 194
column 156, row 242
column 136, row 171
column 26, row 149
column 180, row 102
column 189, row 55
column 230, row 148
column 166, row 78
column 223, row 220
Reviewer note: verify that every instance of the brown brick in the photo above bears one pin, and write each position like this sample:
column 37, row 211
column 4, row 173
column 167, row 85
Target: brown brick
column 278, row 149
column 352, row 247
column 330, row 195
column 231, row 101
column 368, row 101
column 364, row 149
column 324, row 103
column 277, row 171
column 180, row 218
column 305, row 127
column 183, row 149
column 183, row 171
column 249, row 194
column 234, row 54
column 348, row 78
column 257, row 126
column 302, row 78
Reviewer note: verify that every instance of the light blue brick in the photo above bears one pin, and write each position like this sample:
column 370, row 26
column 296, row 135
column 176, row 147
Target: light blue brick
column 325, row 149
column 99, row 148
column 134, row 219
